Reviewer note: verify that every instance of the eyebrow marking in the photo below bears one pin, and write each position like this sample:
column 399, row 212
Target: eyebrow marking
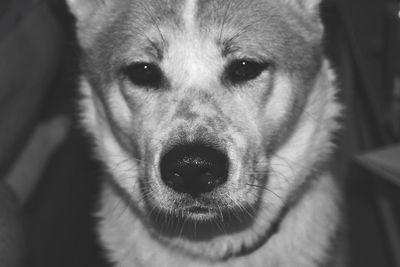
column 228, row 47
column 155, row 49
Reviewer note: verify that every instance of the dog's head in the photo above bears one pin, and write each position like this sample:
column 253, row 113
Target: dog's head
column 207, row 113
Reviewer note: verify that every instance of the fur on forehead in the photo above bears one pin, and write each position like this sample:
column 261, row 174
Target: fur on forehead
column 92, row 15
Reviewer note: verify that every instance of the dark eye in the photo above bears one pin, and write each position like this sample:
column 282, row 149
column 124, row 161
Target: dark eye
column 244, row 70
column 144, row 74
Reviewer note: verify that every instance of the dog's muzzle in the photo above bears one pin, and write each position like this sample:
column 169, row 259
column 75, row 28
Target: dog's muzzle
column 194, row 169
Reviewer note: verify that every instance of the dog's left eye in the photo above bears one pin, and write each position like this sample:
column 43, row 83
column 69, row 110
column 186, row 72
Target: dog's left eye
column 244, row 70
column 144, row 74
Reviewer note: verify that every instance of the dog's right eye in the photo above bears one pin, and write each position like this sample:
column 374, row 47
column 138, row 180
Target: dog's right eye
column 144, row 74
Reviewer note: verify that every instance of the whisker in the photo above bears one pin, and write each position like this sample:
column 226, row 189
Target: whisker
column 235, row 214
column 219, row 225
column 266, row 189
column 220, row 213
column 182, row 227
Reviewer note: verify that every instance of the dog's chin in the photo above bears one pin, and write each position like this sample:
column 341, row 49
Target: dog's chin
column 199, row 223
column 206, row 231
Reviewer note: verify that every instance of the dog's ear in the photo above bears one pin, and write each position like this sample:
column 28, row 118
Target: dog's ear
column 87, row 13
column 83, row 9
column 309, row 6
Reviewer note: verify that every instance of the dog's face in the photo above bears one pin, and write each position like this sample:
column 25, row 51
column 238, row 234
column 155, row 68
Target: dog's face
column 198, row 112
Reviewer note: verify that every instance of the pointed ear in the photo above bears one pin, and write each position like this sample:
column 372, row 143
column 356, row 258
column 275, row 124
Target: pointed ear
column 83, row 9
column 88, row 18
column 309, row 6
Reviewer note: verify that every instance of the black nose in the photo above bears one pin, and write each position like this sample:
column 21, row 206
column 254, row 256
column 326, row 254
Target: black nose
column 194, row 169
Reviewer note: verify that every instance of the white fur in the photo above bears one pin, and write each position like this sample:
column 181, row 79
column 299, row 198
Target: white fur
column 191, row 61
column 189, row 14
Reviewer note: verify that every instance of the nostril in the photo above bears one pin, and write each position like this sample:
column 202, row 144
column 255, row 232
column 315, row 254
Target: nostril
column 194, row 169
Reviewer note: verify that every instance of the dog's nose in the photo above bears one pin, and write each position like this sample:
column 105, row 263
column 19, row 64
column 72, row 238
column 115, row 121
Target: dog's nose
column 194, row 169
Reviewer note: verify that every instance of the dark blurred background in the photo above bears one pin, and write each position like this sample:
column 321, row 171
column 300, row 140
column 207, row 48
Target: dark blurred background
column 38, row 92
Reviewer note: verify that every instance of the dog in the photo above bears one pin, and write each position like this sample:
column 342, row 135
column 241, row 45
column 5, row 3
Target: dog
column 214, row 120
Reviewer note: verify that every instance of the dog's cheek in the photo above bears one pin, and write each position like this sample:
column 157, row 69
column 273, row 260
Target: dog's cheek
column 247, row 130
column 278, row 110
column 137, row 116
column 122, row 119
